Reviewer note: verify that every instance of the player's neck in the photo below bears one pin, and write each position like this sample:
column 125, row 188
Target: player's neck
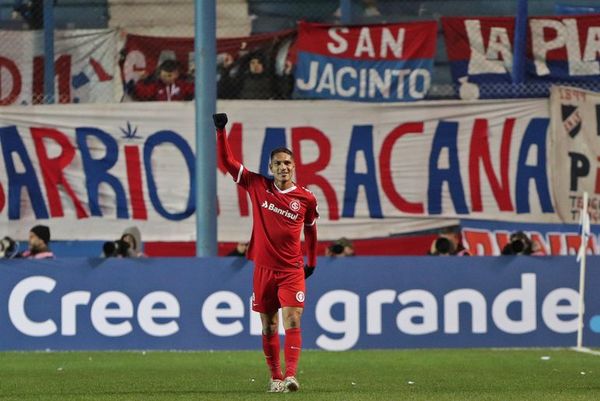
column 283, row 185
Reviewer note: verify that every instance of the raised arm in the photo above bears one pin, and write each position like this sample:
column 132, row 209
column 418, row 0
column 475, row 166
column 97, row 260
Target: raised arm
column 224, row 153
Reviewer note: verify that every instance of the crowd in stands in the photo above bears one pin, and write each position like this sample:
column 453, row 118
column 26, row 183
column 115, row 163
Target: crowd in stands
column 250, row 77
column 129, row 245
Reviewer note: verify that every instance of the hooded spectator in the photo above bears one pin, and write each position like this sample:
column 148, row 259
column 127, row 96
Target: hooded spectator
column 133, row 237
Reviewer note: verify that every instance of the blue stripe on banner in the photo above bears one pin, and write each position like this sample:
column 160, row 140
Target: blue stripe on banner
column 538, row 85
column 324, row 77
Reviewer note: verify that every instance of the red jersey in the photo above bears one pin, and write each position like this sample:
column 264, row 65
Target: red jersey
column 279, row 217
column 157, row 90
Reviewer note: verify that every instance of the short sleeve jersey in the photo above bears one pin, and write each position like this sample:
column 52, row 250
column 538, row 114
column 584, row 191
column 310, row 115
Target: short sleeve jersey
column 278, row 220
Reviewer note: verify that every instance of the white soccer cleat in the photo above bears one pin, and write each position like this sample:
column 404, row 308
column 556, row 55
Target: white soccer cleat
column 276, row 386
column 291, row 384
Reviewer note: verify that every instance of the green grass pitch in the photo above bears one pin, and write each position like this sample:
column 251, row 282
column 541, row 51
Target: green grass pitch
column 462, row 374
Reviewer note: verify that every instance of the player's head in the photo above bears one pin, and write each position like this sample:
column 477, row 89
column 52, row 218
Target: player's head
column 281, row 150
column 282, row 165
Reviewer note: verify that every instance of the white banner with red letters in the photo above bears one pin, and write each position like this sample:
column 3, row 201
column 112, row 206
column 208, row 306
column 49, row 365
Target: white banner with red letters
column 576, row 133
column 85, row 66
column 90, row 170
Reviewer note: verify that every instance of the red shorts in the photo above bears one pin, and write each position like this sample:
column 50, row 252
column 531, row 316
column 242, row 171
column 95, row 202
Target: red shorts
column 273, row 289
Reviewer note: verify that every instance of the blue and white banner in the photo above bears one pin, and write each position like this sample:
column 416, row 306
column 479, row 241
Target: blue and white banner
column 351, row 303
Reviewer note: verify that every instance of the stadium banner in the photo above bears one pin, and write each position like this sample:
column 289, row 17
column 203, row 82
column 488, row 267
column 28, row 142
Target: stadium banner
column 368, row 63
column 195, row 303
column 488, row 238
column 575, row 122
column 376, row 169
column 142, row 54
column 565, row 8
column 480, row 51
column 85, row 64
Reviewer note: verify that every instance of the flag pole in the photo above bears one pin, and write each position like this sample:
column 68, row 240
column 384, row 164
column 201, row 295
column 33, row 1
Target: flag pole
column 585, row 232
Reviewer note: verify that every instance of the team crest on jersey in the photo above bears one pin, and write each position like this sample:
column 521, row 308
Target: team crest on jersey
column 295, row 205
column 300, row 296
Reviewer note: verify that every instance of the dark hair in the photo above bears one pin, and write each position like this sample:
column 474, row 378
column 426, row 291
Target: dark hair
column 281, row 150
column 443, row 246
column 258, row 56
column 169, row 65
column 336, row 249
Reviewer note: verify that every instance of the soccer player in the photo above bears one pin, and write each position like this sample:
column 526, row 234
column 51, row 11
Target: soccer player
column 281, row 210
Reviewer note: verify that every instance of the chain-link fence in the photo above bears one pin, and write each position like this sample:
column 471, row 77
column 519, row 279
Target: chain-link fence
column 138, row 50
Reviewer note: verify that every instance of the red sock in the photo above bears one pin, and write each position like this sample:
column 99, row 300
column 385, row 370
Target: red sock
column 293, row 346
column 271, row 350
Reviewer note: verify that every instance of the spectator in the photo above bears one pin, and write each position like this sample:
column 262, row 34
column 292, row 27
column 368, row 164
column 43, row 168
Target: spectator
column 520, row 244
column 31, row 11
column 340, row 248
column 133, row 237
column 252, row 79
column 39, row 237
column 240, row 249
column 166, row 84
column 448, row 244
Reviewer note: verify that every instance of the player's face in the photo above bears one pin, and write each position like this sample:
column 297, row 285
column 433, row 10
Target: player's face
column 282, row 166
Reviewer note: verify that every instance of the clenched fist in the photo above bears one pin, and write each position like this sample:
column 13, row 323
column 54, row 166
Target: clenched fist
column 220, row 120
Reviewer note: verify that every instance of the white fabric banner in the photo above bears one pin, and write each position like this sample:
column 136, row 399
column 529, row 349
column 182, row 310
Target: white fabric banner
column 90, row 170
column 85, row 66
column 576, row 130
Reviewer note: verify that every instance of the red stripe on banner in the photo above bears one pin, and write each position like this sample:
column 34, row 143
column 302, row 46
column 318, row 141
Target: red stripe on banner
column 307, row 173
column 37, row 90
column 480, row 154
column 10, row 73
column 549, row 37
column 100, row 71
column 385, row 162
column 563, row 36
column 406, row 41
column 409, row 245
column 134, row 179
column 63, row 73
column 462, row 34
column 53, row 169
column 2, row 198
